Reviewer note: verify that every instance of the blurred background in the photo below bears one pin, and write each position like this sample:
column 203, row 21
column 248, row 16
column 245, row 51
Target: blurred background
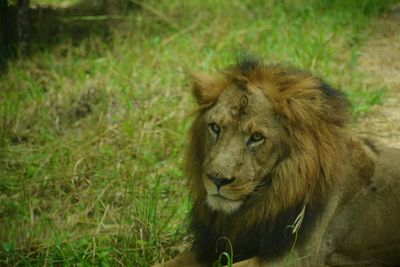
column 95, row 104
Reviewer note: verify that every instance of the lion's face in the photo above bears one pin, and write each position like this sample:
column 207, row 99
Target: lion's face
column 241, row 147
column 267, row 145
column 264, row 135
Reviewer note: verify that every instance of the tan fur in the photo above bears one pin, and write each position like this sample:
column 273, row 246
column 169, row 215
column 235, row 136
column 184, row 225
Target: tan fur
column 308, row 157
column 313, row 129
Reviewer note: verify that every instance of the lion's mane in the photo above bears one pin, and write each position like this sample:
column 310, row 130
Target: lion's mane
column 313, row 116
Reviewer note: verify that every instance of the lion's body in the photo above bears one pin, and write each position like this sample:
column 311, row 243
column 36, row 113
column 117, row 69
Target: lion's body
column 363, row 230
column 273, row 169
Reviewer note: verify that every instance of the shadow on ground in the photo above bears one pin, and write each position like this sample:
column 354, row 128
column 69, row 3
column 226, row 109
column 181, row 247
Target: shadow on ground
column 26, row 28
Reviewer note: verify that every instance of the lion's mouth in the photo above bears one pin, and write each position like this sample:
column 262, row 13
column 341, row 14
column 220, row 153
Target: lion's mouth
column 222, row 203
column 222, row 197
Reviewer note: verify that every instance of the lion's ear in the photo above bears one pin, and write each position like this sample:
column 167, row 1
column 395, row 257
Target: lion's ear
column 206, row 87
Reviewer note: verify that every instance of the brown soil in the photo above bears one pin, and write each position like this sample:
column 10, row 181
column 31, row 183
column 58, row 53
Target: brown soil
column 380, row 59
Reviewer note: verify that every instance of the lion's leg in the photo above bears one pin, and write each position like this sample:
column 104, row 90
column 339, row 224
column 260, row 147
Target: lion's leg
column 188, row 259
column 339, row 259
column 256, row 262
column 252, row 262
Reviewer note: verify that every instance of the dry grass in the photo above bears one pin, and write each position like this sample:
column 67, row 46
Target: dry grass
column 380, row 58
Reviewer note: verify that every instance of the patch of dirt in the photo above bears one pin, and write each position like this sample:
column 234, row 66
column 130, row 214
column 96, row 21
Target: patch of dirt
column 380, row 59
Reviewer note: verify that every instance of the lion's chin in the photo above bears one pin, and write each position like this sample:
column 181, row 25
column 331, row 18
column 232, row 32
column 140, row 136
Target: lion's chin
column 220, row 203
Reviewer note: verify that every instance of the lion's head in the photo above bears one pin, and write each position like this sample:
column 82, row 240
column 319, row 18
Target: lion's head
column 241, row 145
column 265, row 137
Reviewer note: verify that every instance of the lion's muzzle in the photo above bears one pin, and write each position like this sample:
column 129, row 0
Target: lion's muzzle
column 220, row 181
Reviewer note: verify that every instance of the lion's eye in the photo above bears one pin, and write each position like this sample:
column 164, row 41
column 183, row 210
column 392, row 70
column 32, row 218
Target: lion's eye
column 256, row 137
column 214, row 128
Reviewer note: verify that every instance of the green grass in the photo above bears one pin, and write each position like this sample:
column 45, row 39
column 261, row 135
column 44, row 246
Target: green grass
column 92, row 133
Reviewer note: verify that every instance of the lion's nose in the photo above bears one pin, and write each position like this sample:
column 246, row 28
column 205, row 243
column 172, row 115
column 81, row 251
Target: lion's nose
column 220, row 181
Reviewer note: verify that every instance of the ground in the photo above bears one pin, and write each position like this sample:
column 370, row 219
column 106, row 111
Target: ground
column 381, row 59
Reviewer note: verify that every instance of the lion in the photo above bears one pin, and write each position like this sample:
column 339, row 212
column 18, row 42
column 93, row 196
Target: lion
column 277, row 179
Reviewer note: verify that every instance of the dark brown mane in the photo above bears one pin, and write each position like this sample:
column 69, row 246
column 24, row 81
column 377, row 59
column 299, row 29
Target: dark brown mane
column 266, row 239
column 313, row 116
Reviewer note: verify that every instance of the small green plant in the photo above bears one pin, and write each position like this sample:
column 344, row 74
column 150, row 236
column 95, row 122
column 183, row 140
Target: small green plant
column 291, row 258
column 227, row 255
